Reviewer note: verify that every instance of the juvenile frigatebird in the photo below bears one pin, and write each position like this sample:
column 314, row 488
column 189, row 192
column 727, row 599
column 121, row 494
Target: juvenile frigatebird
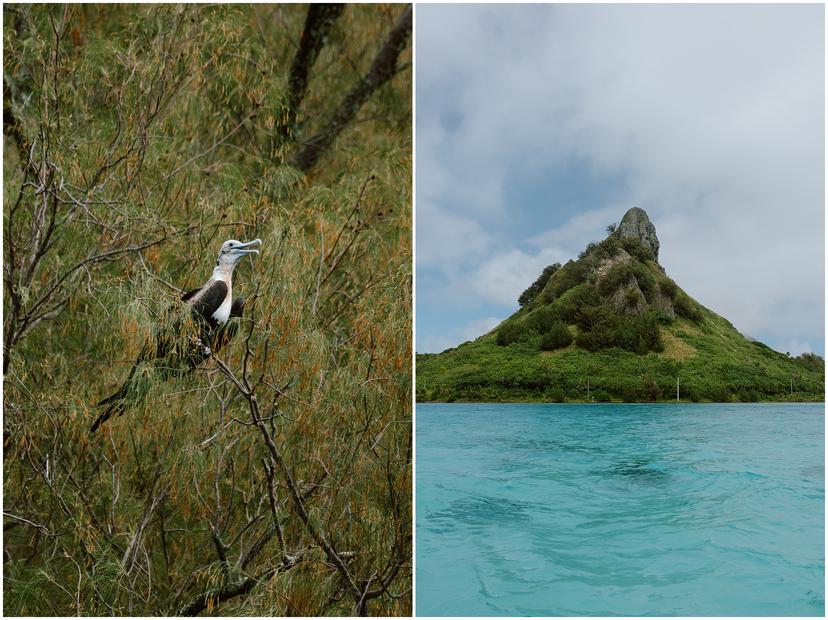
column 211, row 308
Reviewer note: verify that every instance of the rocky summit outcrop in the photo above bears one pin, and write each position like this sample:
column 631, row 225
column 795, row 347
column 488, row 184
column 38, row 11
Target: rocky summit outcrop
column 636, row 224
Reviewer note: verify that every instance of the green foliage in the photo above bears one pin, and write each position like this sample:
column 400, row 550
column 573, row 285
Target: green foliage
column 537, row 286
column 662, row 317
column 598, row 325
column 567, row 305
column 631, row 298
column 598, row 251
column 608, row 248
column 159, row 132
column 720, row 394
column 601, row 396
column 555, row 395
column 668, row 288
column 649, row 389
column 590, row 247
column 631, row 393
column 567, row 277
column 617, row 276
column 637, row 249
column 541, row 319
column 510, row 332
column 646, row 281
column 748, row 395
column 686, row 307
column 557, row 337
column 811, row 361
column 640, row 334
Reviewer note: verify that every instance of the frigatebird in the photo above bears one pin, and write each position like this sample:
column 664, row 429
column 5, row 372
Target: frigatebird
column 179, row 348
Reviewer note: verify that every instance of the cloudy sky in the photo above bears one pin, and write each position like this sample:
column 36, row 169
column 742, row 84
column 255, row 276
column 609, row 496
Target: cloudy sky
column 537, row 126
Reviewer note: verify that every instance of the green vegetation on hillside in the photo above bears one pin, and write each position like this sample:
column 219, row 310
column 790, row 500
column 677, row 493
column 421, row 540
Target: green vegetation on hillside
column 612, row 326
column 275, row 480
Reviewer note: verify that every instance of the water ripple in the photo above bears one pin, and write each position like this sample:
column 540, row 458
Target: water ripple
column 620, row 510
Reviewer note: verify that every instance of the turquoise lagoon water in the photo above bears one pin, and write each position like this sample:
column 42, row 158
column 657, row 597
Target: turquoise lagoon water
column 620, row 509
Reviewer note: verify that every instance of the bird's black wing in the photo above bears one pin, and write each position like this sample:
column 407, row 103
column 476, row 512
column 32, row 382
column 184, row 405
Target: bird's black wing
column 190, row 294
column 207, row 299
column 237, row 309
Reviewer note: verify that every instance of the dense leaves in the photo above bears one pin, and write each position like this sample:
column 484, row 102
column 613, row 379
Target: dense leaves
column 557, row 337
column 637, row 249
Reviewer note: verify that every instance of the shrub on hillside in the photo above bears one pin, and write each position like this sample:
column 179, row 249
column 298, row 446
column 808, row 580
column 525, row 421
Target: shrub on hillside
column 637, row 249
column 567, row 277
column 649, row 389
column 555, row 395
column 601, row 396
column 720, row 394
column 748, row 395
column 812, row 361
column 686, row 307
column 668, row 288
column 688, row 392
column 617, row 276
column 542, row 319
column 509, row 333
column 602, row 336
column 640, row 334
column 557, row 337
column 592, row 245
column 538, row 285
column 590, row 317
column 646, row 281
column 631, row 298
column 567, row 306
column 662, row 317
column 631, row 393
column 607, row 248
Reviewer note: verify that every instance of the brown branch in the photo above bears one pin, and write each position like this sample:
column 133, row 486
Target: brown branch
column 295, row 494
column 216, row 596
column 382, row 69
column 318, row 25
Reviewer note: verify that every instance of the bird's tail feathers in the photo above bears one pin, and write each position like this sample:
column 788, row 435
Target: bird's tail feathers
column 115, row 407
column 119, row 395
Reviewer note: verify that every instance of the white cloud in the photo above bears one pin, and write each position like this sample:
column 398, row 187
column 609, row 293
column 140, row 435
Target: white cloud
column 503, row 277
column 478, row 327
column 795, row 348
column 433, row 343
column 446, row 239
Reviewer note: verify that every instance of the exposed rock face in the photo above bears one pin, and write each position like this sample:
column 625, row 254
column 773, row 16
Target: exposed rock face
column 637, row 224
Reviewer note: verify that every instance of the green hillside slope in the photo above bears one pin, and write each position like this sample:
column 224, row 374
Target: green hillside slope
column 612, row 326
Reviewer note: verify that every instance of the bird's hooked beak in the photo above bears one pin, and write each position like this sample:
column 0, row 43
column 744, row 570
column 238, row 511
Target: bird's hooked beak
column 244, row 248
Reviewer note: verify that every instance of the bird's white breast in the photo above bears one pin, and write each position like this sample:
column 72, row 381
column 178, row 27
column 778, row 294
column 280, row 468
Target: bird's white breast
column 222, row 313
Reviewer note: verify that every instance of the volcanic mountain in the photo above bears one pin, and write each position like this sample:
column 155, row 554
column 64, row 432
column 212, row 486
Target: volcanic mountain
column 613, row 326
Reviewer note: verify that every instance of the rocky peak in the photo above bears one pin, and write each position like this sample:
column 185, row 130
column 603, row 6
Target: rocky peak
column 636, row 224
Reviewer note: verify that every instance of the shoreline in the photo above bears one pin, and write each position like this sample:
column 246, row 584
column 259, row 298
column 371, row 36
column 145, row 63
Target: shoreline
column 615, row 402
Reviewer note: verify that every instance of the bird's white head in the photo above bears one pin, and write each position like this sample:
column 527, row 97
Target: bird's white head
column 232, row 252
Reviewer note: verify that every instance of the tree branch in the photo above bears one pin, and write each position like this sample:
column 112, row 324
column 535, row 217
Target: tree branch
column 318, row 25
column 382, row 69
column 214, row 597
